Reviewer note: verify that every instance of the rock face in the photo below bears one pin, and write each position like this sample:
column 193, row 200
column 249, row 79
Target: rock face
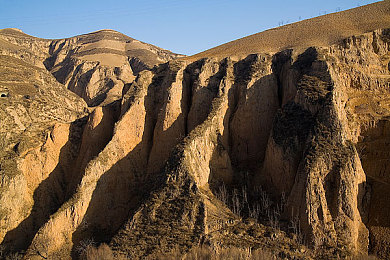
column 194, row 152
column 41, row 123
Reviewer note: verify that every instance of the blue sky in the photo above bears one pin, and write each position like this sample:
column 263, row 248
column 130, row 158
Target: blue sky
column 183, row 26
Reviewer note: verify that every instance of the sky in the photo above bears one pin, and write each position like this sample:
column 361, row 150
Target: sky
column 182, row 26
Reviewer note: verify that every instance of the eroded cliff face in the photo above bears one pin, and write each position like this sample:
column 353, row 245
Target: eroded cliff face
column 367, row 113
column 128, row 180
column 318, row 141
column 41, row 123
column 145, row 173
column 95, row 66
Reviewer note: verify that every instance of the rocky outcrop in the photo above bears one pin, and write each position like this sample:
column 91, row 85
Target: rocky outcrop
column 317, row 141
column 128, row 179
column 366, row 119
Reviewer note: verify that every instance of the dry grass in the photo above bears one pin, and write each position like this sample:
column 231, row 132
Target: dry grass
column 320, row 31
column 207, row 253
column 104, row 252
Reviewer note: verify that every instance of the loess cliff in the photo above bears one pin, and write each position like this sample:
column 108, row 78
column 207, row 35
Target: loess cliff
column 110, row 140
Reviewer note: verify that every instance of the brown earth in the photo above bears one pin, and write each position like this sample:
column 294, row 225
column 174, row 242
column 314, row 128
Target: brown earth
column 280, row 147
column 319, row 31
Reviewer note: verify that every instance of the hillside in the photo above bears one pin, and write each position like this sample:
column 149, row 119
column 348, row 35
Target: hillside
column 269, row 144
column 95, row 66
column 319, row 31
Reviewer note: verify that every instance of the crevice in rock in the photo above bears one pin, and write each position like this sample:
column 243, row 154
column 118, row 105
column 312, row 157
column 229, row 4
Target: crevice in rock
column 94, row 139
column 243, row 72
column 80, row 80
column 253, row 102
column 137, row 65
column 156, row 99
column 170, row 126
column 279, row 62
column 211, row 72
column 50, row 62
column 190, row 78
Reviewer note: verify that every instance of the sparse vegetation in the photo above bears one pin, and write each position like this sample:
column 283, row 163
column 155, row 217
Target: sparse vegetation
column 9, row 256
column 104, row 252
column 258, row 206
column 84, row 246
column 233, row 253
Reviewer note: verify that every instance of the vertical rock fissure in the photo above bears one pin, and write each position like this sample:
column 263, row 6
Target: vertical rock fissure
column 279, row 62
column 187, row 96
column 373, row 152
column 190, row 76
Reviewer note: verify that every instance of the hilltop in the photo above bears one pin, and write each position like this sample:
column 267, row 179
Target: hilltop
column 96, row 66
column 319, row 31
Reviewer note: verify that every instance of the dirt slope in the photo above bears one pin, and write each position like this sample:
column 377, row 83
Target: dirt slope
column 319, row 31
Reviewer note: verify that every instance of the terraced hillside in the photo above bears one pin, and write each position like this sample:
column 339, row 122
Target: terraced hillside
column 95, row 66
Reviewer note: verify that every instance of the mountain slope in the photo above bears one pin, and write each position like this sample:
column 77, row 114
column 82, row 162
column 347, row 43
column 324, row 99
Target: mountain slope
column 95, row 66
column 319, row 31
